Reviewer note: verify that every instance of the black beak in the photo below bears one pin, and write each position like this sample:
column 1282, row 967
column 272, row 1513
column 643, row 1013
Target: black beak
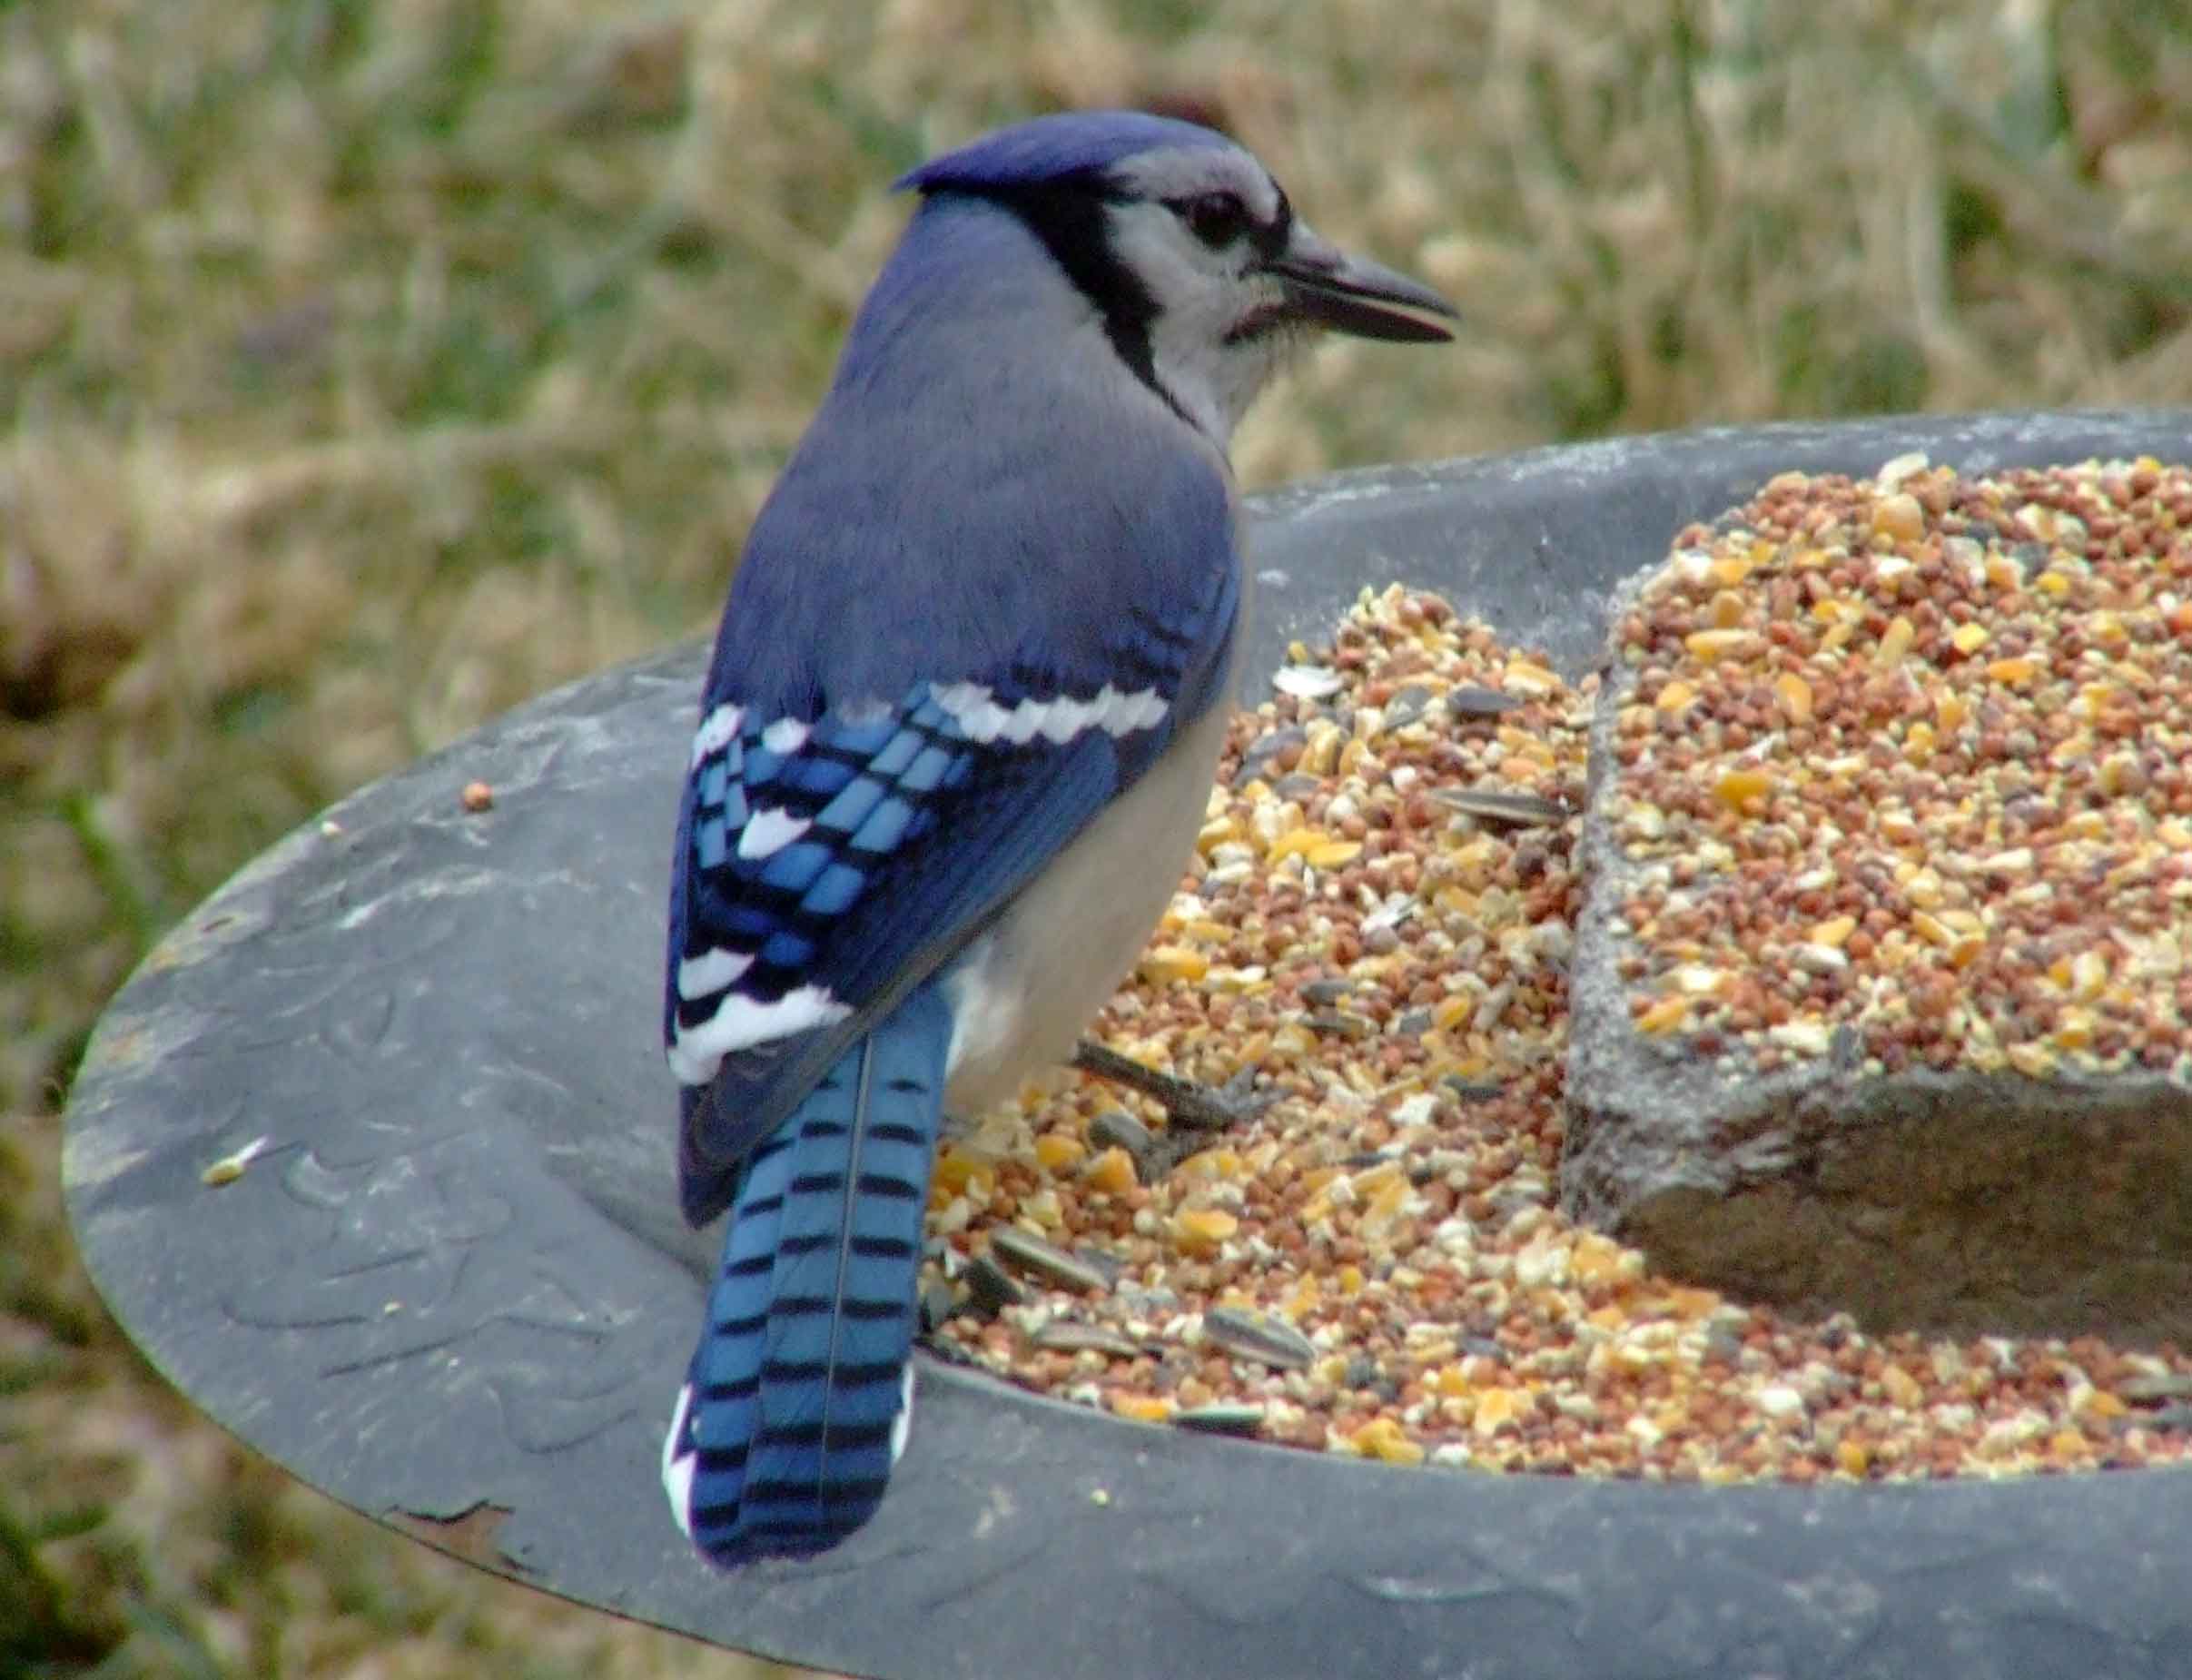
column 1328, row 288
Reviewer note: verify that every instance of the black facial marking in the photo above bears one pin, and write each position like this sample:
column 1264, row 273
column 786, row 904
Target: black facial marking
column 1067, row 214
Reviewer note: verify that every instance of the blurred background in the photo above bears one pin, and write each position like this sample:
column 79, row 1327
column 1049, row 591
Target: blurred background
column 371, row 365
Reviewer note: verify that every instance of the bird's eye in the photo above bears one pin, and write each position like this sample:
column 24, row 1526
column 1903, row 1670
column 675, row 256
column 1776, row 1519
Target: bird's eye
column 1216, row 219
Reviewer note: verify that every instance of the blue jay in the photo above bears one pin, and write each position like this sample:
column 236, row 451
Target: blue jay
column 958, row 734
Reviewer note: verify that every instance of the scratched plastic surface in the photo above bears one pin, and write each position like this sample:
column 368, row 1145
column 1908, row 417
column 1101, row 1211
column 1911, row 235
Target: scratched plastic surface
column 454, row 1282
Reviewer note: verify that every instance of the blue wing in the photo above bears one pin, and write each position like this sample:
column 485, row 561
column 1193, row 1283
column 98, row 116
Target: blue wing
column 786, row 955
column 824, row 869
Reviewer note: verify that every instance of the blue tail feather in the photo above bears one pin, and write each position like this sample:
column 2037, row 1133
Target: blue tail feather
column 791, row 1416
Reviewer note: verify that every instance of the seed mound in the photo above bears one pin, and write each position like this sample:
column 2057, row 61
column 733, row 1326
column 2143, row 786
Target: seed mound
column 1913, row 758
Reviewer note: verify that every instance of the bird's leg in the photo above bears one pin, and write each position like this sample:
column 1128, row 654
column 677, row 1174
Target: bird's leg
column 1190, row 1106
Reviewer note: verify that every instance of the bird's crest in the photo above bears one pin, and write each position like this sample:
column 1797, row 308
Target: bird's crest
column 1069, row 144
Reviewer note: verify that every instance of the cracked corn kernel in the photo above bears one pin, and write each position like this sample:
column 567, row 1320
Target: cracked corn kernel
column 958, row 1170
column 2089, row 975
column 1450, row 1381
column 1496, row 1409
column 1833, row 933
column 1202, row 1230
column 1453, row 1011
column 1383, row 1437
column 1741, row 789
column 1059, row 1153
column 1729, row 571
column 1210, row 1165
column 1664, row 1016
column 1140, row 1408
column 1530, row 681
column 1795, row 695
column 1900, row 517
column 1895, row 641
column 232, row 1165
column 1113, row 1172
column 1600, row 1259
column 2074, row 1027
column 1167, row 962
column 1715, row 644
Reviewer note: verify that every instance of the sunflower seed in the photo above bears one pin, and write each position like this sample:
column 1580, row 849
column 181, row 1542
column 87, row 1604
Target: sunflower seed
column 1492, row 805
column 1221, row 1420
column 1117, row 1129
column 1249, row 1334
column 990, row 1288
column 1470, row 701
column 1053, row 1265
column 1065, row 1336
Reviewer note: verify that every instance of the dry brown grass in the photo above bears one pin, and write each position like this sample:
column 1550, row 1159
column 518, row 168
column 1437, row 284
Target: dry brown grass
column 375, row 363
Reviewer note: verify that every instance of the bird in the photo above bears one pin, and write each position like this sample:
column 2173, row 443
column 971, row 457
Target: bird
column 955, row 744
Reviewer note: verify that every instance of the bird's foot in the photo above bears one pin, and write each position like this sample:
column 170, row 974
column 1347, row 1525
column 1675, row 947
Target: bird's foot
column 1194, row 1109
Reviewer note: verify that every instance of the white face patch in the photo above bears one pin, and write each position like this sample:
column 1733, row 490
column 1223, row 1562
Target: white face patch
column 1188, row 171
column 1201, row 295
column 972, row 705
column 697, row 1051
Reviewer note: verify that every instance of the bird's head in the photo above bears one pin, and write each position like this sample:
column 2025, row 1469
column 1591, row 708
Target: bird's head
column 1186, row 249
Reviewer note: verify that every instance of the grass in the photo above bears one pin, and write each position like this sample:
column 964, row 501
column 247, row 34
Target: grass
column 374, row 364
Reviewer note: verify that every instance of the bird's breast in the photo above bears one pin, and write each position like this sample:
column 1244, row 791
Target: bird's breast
column 1023, row 991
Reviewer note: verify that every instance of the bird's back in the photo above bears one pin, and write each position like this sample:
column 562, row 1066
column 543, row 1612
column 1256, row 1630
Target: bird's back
column 974, row 369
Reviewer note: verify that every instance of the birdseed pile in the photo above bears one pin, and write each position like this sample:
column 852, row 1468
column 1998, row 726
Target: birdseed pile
column 1377, row 924
column 1917, row 754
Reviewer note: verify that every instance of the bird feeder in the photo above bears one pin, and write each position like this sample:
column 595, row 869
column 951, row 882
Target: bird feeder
column 373, row 1159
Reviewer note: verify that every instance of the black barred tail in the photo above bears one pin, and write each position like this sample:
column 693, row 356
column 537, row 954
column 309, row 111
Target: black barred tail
column 793, row 1408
